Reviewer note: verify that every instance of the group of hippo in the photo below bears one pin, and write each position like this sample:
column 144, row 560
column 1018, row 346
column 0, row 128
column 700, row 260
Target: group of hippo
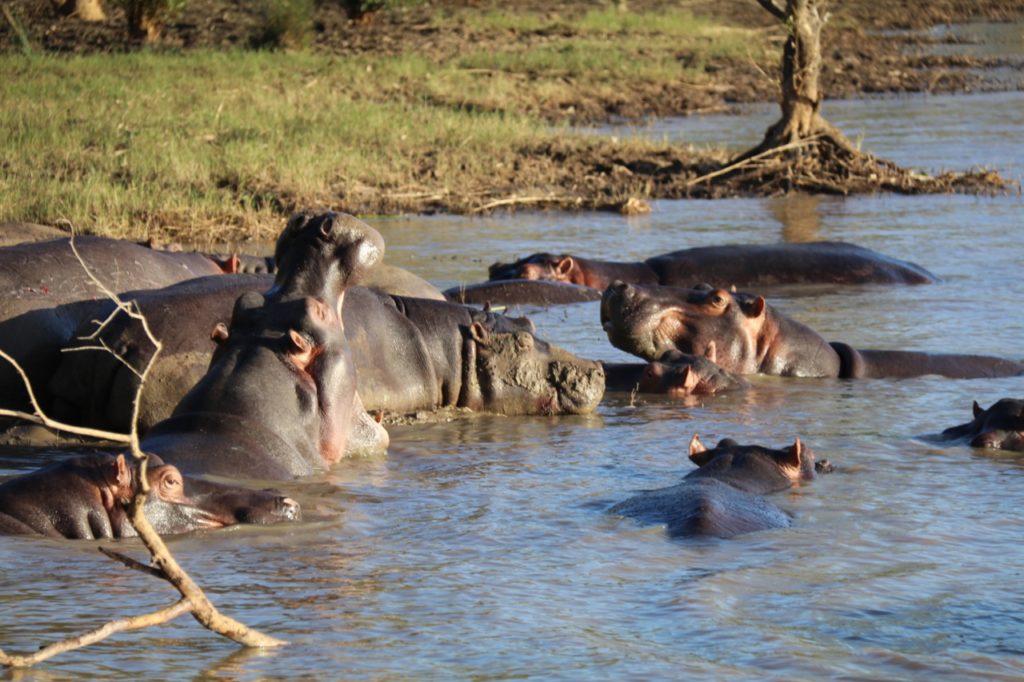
column 287, row 382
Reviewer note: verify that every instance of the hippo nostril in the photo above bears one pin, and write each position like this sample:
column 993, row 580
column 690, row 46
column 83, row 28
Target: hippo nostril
column 986, row 440
column 289, row 508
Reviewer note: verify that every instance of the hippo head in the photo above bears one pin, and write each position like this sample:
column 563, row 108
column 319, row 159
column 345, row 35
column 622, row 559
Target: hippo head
column 179, row 504
column 320, row 255
column 752, row 468
column 681, row 375
column 524, row 375
column 719, row 325
column 1000, row 426
column 543, row 266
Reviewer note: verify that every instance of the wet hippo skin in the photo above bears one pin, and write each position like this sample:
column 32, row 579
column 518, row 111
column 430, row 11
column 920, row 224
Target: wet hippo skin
column 410, row 354
column 279, row 397
column 723, row 496
column 82, row 498
column 741, row 265
column 743, row 334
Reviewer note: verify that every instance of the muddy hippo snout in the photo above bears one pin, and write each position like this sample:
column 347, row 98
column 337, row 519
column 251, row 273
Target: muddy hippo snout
column 579, row 385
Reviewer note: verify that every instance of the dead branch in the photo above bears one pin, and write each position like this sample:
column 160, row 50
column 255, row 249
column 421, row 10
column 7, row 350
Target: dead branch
column 121, row 625
column 750, row 160
column 164, row 565
column 512, row 201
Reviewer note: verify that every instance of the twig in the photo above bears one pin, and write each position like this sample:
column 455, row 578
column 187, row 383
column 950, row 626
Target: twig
column 41, row 417
column 122, row 625
column 164, row 566
column 132, row 563
column 747, row 162
column 104, row 347
column 510, row 201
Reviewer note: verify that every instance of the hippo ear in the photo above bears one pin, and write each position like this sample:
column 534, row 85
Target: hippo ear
column 977, row 409
column 479, row 333
column 230, row 265
column 794, row 453
column 696, row 447
column 220, row 333
column 124, row 474
column 732, row 289
column 757, row 307
column 564, row 266
column 302, row 350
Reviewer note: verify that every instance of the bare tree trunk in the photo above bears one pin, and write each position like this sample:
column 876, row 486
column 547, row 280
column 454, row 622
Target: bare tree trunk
column 86, row 10
column 801, row 67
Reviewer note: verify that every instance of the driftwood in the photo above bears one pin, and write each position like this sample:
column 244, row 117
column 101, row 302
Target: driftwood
column 162, row 562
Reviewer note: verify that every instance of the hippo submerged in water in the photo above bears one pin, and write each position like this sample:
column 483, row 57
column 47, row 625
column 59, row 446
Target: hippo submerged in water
column 723, row 496
column 1001, row 427
column 741, row 265
column 675, row 374
column 745, row 335
column 83, row 497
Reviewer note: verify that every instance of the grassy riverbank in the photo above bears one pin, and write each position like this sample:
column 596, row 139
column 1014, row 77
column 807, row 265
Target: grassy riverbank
column 460, row 109
column 226, row 143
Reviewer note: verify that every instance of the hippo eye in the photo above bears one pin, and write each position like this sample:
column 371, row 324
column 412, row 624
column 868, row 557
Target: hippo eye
column 718, row 300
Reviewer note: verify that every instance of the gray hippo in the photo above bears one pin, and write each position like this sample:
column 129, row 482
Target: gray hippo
column 410, row 354
column 743, row 334
column 83, row 498
column 723, row 496
column 521, row 292
column 741, row 265
column 279, row 397
column 1001, row 426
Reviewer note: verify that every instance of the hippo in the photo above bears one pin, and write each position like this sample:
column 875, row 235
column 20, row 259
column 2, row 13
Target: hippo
column 45, row 293
column 279, row 397
column 521, row 292
column 83, row 497
column 675, row 374
column 741, row 265
column 723, row 496
column 743, row 334
column 410, row 354
column 1000, row 427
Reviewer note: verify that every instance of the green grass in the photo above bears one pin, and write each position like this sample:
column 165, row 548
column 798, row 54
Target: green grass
column 208, row 144
column 131, row 142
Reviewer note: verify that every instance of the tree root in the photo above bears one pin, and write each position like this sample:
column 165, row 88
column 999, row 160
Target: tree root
column 827, row 164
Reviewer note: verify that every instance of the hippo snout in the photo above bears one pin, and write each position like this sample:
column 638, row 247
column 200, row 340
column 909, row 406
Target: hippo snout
column 580, row 385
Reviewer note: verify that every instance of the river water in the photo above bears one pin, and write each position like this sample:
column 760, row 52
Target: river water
column 481, row 548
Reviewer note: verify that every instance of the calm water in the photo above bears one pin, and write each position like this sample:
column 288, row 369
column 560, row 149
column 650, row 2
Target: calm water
column 480, row 549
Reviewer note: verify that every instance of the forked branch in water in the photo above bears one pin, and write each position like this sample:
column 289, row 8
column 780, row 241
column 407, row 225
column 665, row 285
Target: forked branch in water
column 162, row 562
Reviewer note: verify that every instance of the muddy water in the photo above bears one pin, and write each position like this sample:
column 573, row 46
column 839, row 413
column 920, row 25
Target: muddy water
column 480, row 549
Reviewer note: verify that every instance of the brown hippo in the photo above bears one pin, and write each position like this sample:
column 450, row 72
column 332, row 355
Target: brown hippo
column 743, row 334
column 410, row 354
column 1000, row 427
column 279, row 398
column 741, row 265
column 83, row 497
column 723, row 496
column 675, row 374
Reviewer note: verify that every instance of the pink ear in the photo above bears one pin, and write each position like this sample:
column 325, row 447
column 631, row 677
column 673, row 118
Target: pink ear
column 124, row 476
column 795, row 451
column 302, row 352
column 565, row 265
column 696, row 447
column 220, row 333
column 758, row 306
